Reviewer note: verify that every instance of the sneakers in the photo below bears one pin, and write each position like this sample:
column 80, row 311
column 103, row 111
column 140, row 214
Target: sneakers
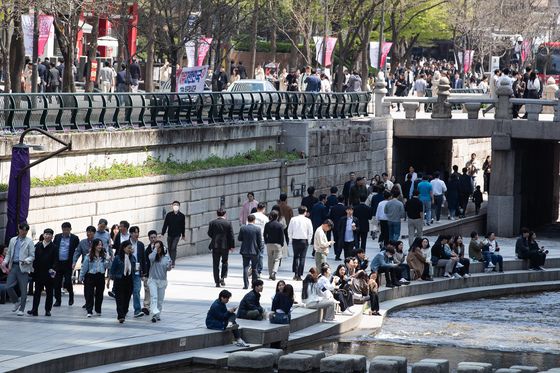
column 20, row 313
column 447, row 275
column 89, row 315
column 139, row 314
column 459, row 265
column 491, row 265
column 466, row 275
column 222, row 282
column 146, row 311
column 456, row 276
column 32, row 313
column 404, row 281
column 154, row 318
column 121, row 321
column 241, row 343
column 347, row 312
column 16, row 307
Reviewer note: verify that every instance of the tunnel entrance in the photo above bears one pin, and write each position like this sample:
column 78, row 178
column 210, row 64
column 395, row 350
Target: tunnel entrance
column 539, row 185
column 426, row 155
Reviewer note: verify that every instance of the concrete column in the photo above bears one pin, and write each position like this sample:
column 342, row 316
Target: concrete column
column 504, row 106
column 379, row 92
column 442, row 108
column 410, row 109
column 504, row 201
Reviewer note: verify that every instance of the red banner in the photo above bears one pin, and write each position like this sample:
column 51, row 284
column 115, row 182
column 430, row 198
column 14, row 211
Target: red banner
column 203, row 47
column 525, row 50
column 45, row 24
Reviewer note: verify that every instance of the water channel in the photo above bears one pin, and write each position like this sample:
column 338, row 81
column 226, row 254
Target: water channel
column 504, row 331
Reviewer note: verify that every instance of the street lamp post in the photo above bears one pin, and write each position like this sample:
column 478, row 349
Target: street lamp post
column 20, row 181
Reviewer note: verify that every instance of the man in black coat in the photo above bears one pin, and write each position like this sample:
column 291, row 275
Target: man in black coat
column 347, row 186
column 310, row 200
column 250, row 306
column 465, row 190
column 44, row 264
column 363, row 213
column 251, row 245
column 347, row 232
column 65, row 244
column 222, row 241
column 337, row 212
column 174, row 225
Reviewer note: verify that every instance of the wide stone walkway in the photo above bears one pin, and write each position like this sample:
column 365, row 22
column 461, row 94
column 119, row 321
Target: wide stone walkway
column 190, row 292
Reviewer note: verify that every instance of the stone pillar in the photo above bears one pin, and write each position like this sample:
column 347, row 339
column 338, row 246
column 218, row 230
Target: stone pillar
column 557, row 107
column 473, row 109
column 410, row 109
column 379, row 92
column 503, row 105
column 533, row 111
column 504, row 200
column 442, row 108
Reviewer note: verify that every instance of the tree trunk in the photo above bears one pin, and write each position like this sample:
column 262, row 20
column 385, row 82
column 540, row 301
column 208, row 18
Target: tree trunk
column 150, row 51
column 253, row 46
column 17, row 56
column 294, row 54
column 273, row 42
column 92, row 53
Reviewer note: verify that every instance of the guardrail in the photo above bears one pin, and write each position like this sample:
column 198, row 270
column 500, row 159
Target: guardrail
column 88, row 111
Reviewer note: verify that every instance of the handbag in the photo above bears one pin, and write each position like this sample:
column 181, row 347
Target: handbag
column 280, row 318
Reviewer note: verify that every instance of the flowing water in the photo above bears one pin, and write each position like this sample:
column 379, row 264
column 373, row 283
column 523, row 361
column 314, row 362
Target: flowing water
column 505, row 331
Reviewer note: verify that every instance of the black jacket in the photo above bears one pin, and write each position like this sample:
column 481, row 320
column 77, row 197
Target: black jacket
column 355, row 193
column 346, row 190
column 309, row 202
column 465, row 184
column 337, row 212
column 250, row 302
column 274, row 233
column 74, row 242
column 45, row 258
column 221, row 233
column 341, row 229
column 251, row 241
column 175, row 223
column 363, row 213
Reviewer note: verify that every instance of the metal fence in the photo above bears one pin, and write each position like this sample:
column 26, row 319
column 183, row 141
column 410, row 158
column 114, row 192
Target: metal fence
column 88, row 111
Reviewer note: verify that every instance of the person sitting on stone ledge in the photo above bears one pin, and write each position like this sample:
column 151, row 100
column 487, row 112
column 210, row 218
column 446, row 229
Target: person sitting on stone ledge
column 458, row 247
column 527, row 248
column 341, row 288
column 383, row 263
column 314, row 298
column 250, row 306
column 535, row 248
column 219, row 317
column 282, row 305
column 490, row 251
column 365, row 289
column 442, row 256
column 417, row 262
column 475, row 248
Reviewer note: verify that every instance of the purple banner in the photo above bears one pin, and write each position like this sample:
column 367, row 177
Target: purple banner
column 20, row 159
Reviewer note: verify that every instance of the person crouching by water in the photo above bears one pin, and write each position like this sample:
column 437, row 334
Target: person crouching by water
column 160, row 264
column 219, row 317
column 282, row 305
column 122, row 272
column 315, row 298
column 92, row 276
column 250, row 306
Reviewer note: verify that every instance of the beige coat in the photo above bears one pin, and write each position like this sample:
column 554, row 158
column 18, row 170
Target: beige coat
column 416, row 262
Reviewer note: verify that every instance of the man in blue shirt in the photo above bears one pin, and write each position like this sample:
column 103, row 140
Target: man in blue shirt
column 313, row 83
column 65, row 244
column 427, row 197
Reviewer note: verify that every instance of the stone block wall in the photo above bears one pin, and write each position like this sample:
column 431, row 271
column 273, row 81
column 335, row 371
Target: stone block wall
column 145, row 201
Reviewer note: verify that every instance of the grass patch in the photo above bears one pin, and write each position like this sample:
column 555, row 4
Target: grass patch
column 153, row 166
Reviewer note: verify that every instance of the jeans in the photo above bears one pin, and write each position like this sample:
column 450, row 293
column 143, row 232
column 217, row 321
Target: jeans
column 19, row 278
column 427, row 210
column 496, row 259
column 274, row 252
column 172, row 243
column 320, row 258
column 218, row 254
column 394, row 230
column 300, row 249
column 448, row 264
column 157, row 295
column 136, row 287
column 260, row 261
column 415, row 228
column 405, row 270
column 438, row 202
column 249, row 261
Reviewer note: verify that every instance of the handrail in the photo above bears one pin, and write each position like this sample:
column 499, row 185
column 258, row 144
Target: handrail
column 83, row 111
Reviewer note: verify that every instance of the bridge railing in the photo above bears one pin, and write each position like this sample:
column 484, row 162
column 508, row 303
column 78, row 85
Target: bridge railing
column 87, row 111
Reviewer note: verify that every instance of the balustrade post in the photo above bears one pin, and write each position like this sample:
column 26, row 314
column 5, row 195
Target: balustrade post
column 442, row 107
column 557, row 107
column 410, row 109
column 473, row 108
column 379, row 93
column 504, row 108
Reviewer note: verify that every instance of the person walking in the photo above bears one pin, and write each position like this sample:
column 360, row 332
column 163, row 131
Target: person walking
column 43, row 272
column 138, row 251
column 274, row 241
column 92, row 275
column 394, row 210
column 465, row 190
column 414, row 211
column 222, row 241
column 251, row 245
column 347, row 231
column 247, row 207
column 160, row 264
column 122, row 272
column 18, row 263
column 321, row 244
column 174, row 225
column 427, row 197
column 300, row 232
column 364, row 214
column 438, row 189
column 66, row 244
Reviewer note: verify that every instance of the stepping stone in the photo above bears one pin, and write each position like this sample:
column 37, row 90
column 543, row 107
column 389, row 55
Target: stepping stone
column 525, row 368
column 507, row 370
column 383, row 366
column 343, row 363
column 360, row 362
column 295, row 363
column 423, row 367
column 465, row 368
column 276, row 352
column 441, row 363
column 401, row 361
column 487, row 368
column 317, row 355
column 251, row 360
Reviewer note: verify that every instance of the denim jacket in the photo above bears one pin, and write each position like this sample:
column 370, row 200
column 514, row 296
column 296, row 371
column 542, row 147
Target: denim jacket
column 98, row 265
column 117, row 268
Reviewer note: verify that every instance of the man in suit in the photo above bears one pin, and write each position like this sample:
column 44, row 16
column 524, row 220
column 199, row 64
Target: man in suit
column 65, row 244
column 457, row 82
column 43, row 266
column 122, row 236
column 347, row 231
column 222, row 241
column 19, row 259
column 363, row 213
column 465, row 190
column 347, row 186
column 337, row 212
column 251, row 244
column 138, row 251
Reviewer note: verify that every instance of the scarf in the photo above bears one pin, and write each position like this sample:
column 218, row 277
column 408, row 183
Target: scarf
column 127, row 265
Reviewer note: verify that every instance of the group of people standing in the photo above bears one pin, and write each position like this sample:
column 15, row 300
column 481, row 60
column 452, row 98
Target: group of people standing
column 106, row 255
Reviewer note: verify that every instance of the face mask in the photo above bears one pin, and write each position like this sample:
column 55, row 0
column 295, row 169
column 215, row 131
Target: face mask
column 175, row 208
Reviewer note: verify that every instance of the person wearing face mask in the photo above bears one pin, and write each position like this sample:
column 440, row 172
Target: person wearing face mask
column 122, row 273
column 174, row 225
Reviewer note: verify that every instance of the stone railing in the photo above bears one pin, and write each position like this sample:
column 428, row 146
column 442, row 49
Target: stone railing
column 443, row 104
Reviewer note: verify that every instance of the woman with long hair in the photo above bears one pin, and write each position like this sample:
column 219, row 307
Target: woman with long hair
column 160, row 264
column 122, row 272
column 314, row 297
column 92, row 275
column 282, row 304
